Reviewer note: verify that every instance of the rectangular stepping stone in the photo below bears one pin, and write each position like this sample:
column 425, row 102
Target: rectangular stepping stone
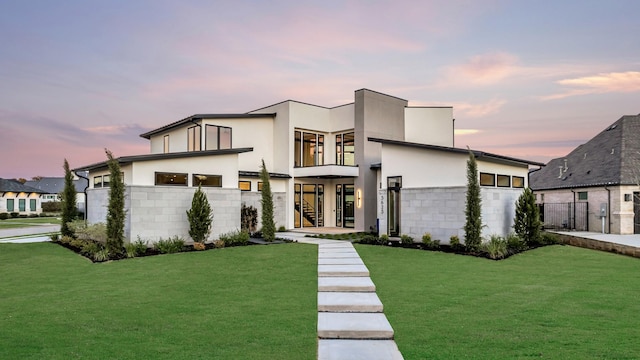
column 342, row 270
column 346, row 284
column 349, row 302
column 336, row 245
column 340, row 261
column 338, row 255
column 354, row 326
column 358, row 350
column 336, row 250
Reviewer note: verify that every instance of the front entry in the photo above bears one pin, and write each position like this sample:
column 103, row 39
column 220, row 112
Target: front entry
column 308, row 205
column 394, row 184
column 345, row 210
column 636, row 212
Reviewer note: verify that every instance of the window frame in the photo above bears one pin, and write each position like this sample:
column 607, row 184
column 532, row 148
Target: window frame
column 503, row 177
column 22, row 205
column 300, row 148
column 194, row 138
column 13, row 205
column 33, row 205
column 163, row 173
column 217, row 132
column 520, row 179
column 96, row 184
column 583, row 196
column 484, row 174
column 195, row 179
column 240, row 182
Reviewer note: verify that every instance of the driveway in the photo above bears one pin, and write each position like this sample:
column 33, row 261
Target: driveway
column 21, row 235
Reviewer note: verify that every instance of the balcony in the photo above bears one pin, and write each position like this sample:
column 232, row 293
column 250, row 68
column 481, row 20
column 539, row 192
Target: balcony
column 326, row 171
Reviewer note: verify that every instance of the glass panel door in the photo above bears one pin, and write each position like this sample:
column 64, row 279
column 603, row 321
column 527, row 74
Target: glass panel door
column 297, row 212
column 394, row 184
column 339, row 205
column 349, row 206
column 320, row 205
column 308, row 205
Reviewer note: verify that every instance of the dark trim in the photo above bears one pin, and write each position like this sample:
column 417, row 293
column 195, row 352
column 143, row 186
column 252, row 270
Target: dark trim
column 581, row 186
column 477, row 154
column 161, row 156
column 256, row 174
column 196, row 117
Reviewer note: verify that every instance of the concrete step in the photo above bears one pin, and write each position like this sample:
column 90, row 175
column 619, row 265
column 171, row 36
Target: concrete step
column 338, row 255
column 346, row 284
column 340, row 261
column 362, row 302
column 342, row 270
column 336, row 245
column 354, row 326
column 358, row 350
column 337, row 249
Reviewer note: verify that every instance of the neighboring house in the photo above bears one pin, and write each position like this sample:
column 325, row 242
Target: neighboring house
column 329, row 167
column 596, row 187
column 20, row 198
column 52, row 187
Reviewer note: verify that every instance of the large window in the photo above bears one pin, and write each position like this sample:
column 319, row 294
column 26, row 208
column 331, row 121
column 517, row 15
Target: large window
column 178, row 179
column 166, row 144
column 345, row 149
column 10, row 205
column 207, row 180
column 487, row 179
column 309, row 149
column 217, row 137
column 193, row 138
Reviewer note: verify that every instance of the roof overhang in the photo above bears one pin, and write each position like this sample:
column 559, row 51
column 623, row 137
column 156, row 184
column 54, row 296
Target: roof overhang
column 326, row 172
column 198, row 117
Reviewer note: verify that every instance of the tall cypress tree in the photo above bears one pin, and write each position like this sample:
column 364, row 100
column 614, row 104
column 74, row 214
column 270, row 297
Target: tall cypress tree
column 473, row 211
column 69, row 210
column 200, row 217
column 268, row 225
column 527, row 221
column 115, row 211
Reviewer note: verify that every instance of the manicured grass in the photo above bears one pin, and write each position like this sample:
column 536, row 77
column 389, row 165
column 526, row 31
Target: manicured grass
column 254, row 302
column 26, row 222
column 556, row 302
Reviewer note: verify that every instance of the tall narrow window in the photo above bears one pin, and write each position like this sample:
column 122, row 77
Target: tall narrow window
column 32, row 204
column 297, row 149
column 166, row 144
column 225, row 137
column 348, row 149
column 320, row 152
column 211, row 137
column 309, row 149
column 10, row 204
column 22, row 205
column 193, row 138
column 339, row 149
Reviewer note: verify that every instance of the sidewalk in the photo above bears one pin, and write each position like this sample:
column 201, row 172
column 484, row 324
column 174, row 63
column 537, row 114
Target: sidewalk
column 351, row 321
column 27, row 234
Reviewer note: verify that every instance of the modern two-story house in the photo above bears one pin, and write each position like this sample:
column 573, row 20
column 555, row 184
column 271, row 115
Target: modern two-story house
column 344, row 166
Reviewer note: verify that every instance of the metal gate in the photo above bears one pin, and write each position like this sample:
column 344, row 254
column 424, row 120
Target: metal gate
column 565, row 216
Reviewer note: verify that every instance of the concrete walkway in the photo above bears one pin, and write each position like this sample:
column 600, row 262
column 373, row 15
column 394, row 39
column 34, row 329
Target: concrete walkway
column 629, row 240
column 28, row 234
column 351, row 321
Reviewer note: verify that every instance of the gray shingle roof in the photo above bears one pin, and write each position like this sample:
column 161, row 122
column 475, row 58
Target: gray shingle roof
column 55, row 185
column 610, row 158
column 7, row 185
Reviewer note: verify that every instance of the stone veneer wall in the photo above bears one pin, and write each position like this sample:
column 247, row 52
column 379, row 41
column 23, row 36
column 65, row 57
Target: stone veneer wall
column 441, row 212
column 155, row 212
column 250, row 198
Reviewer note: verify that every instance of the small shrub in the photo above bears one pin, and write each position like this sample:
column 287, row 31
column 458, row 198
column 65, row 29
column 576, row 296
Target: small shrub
column 496, row 247
column 454, row 242
column 218, row 244
column 77, row 243
column 370, row 239
column 14, row 214
column 140, row 246
column 65, row 240
column 23, row 216
column 4, row 216
column 101, row 255
column 96, row 232
column 54, row 237
column 91, row 248
column 515, row 244
column 170, row 245
column 384, row 238
column 406, row 239
column 33, row 215
column 282, row 228
column 435, row 244
column 52, row 206
column 549, row 239
column 235, row 238
column 199, row 246
column 130, row 250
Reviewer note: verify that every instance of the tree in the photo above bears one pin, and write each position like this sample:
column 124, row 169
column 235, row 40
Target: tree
column 268, row 225
column 527, row 221
column 21, row 180
column 115, row 211
column 68, row 198
column 200, row 217
column 473, row 210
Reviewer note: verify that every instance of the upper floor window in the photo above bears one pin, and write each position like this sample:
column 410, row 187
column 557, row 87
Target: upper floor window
column 345, row 149
column 487, row 179
column 207, row 180
column 217, row 137
column 193, row 138
column 308, row 149
column 101, row 181
column 244, row 185
column 517, row 181
column 166, row 144
column 504, row 180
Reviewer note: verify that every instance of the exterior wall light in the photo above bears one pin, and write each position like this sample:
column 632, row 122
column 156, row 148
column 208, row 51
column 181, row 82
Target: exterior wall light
column 359, row 198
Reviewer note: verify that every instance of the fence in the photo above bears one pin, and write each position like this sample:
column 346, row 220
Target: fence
column 565, row 216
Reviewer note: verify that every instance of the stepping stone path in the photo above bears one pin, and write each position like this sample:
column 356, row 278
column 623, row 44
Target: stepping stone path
column 351, row 322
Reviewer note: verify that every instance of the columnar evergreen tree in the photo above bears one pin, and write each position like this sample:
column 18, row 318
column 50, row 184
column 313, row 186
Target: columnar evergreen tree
column 527, row 221
column 473, row 211
column 115, row 211
column 268, row 225
column 69, row 211
column 200, row 217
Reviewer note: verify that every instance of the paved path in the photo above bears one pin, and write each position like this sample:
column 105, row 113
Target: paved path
column 22, row 235
column 351, row 321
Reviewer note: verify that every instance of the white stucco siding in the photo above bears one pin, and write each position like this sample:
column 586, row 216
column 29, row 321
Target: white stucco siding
column 177, row 140
column 421, row 168
column 226, row 165
column 342, row 118
column 310, row 117
column 429, row 125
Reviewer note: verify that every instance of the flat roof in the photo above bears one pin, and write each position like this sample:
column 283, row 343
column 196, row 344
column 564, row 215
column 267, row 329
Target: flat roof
column 196, row 117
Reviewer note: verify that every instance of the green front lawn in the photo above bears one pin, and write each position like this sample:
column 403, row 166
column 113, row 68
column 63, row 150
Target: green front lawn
column 556, row 302
column 12, row 223
column 254, row 302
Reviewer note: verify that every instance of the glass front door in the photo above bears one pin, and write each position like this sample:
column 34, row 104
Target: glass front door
column 394, row 184
column 308, row 205
column 348, row 206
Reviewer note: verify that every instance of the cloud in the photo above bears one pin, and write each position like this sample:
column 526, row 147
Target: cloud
column 467, row 109
column 484, row 69
column 463, row 132
column 628, row 81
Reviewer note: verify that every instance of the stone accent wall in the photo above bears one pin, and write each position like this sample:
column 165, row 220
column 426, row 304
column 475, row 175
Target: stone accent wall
column 441, row 211
column 250, row 198
column 155, row 212
column 599, row 245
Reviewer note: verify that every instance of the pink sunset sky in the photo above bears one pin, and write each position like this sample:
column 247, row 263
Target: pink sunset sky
column 528, row 79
